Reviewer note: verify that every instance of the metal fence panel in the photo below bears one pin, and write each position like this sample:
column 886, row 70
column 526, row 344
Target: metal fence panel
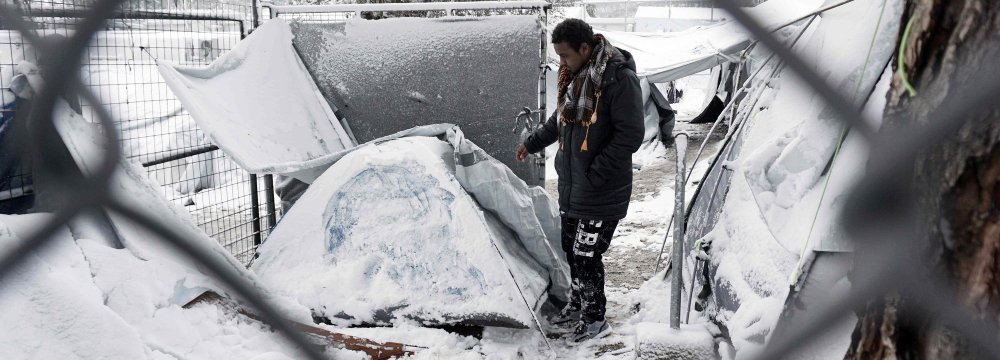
column 119, row 66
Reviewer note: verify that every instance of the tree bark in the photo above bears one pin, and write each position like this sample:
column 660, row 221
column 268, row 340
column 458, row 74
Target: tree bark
column 957, row 180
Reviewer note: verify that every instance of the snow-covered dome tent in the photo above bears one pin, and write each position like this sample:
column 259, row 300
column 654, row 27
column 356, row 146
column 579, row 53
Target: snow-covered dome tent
column 421, row 225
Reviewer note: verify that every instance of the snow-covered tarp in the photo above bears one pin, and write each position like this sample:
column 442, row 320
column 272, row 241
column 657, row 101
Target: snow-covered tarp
column 772, row 198
column 259, row 104
column 661, row 57
column 420, row 225
column 675, row 18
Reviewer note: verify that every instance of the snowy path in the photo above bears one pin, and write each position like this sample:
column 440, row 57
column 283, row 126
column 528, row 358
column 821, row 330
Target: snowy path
column 630, row 260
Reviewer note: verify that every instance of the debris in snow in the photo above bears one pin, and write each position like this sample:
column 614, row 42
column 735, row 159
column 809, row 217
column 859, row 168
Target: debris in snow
column 416, row 96
column 376, row 351
column 342, row 89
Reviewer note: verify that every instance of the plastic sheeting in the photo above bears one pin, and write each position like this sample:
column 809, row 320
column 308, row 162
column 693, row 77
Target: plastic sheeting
column 422, row 224
column 760, row 203
column 389, row 75
column 260, row 105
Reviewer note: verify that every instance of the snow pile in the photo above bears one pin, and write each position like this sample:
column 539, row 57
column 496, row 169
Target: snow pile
column 389, row 233
column 659, row 341
column 85, row 298
column 59, row 311
column 110, row 289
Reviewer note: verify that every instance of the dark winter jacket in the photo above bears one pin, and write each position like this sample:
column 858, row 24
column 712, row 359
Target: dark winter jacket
column 596, row 184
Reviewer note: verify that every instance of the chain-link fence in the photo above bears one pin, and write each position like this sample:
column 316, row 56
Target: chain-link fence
column 119, row 89
column 120, row 67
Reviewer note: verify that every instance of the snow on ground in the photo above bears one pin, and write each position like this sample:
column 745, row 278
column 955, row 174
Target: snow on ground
column 695, row 97
column 83, row 298
column 99, row 290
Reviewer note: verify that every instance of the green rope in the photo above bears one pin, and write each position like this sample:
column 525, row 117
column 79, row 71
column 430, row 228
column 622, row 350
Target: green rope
column 900, row 65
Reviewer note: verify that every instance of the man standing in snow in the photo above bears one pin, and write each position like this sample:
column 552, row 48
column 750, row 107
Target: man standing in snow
column 599, row 124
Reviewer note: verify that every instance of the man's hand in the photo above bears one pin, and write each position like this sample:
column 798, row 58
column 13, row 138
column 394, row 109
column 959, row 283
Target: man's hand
column 521, row 153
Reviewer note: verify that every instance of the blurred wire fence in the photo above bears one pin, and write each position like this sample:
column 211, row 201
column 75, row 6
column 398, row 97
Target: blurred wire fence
column 119, row 66
column 107, row 63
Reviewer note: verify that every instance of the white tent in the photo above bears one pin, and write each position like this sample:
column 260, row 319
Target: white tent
column 661, row 57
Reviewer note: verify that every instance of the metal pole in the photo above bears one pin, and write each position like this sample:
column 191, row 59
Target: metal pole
column 677, row 264
column 539, row 162
column 181, row 155
column 256, row 15
column 626, row 16
column 272, row 213
column 255, row 210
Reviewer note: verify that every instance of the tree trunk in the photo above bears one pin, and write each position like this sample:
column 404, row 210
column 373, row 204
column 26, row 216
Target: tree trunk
column 957, row 180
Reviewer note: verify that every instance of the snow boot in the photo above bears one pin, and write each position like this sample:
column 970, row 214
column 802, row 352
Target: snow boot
column 568, row 315
column 591, row 330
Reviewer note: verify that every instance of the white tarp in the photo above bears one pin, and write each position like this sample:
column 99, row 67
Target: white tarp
column 674, row 18
column 783, row 199
column 259, row 104
column 661, row 57
column 424, row 225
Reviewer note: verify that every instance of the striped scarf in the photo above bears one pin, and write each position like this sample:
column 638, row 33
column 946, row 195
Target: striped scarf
column 579, row 93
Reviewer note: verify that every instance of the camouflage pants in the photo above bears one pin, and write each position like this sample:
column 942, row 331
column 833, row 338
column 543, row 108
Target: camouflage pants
column 584, row 241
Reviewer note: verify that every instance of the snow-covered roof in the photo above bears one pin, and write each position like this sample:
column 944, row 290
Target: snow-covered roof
column 661, row 57
column 676, row 12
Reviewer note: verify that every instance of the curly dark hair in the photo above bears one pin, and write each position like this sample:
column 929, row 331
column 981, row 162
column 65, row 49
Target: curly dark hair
column 574, row 32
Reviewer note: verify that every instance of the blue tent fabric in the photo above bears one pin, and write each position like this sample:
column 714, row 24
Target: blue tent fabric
column 15, row 170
